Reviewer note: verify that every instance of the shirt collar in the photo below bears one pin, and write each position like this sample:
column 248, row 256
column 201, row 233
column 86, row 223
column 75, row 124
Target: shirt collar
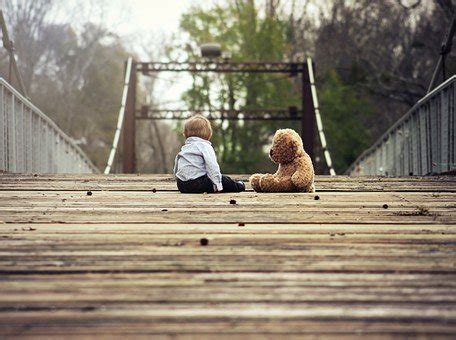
column 190, row 140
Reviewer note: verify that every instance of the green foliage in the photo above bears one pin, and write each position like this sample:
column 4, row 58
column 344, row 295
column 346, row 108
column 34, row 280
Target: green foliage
column 248, row 36
column 381, row 63
column 344, row 116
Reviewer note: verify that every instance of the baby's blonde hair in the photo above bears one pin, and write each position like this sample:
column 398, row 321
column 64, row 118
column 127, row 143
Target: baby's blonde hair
column 198, row 126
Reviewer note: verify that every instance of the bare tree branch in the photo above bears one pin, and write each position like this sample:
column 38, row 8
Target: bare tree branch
column 447, row 7
column 411, row 6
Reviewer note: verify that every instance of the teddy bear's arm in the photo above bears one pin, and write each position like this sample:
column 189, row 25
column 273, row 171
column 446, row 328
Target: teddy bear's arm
column 303, row 177
column 272, row 183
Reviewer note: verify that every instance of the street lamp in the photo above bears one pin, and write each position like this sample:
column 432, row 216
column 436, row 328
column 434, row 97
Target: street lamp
column 211, row 50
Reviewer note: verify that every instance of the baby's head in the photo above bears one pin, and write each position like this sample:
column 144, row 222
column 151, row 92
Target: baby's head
column 198, row 126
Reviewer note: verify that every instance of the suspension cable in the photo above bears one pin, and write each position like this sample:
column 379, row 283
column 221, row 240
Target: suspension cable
column 321, row 133
column 120, row 119
column 9, row 46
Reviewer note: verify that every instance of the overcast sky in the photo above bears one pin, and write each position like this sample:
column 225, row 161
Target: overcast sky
column 144, row 17
column 154, row 15
column 142, row 22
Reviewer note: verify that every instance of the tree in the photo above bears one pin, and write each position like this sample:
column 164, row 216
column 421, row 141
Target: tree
column 381, row 51
column 28, row 20
column 346, row 116
column 387, row 49
column 157, row 143
column 73, row 73
column 248, row 36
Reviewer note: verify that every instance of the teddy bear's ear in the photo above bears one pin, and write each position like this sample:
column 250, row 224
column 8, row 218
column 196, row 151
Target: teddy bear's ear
column 293, row 145
column 298, row 142
column 290, row 148
column 299, row 149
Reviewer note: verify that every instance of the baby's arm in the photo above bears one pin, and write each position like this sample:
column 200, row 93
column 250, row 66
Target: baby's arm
column 175, row 165
column 272, row 183
column 212, row 167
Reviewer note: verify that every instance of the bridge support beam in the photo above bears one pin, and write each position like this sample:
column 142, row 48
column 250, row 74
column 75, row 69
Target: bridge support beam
column 308, row 114
column 129, row 130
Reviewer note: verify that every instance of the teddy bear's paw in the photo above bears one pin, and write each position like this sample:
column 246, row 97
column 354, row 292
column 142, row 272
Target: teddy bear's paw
column 309, row 188
column 301, row 181
column 312, row 188
column 255, row 181
column 268, row 183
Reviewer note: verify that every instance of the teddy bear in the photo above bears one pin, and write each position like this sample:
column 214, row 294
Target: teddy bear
column 295, row 173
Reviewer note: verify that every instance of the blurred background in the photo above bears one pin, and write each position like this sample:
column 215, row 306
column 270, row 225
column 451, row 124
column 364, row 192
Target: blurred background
column 374, row 59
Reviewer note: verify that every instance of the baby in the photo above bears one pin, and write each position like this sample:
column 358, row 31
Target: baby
column 196, row 168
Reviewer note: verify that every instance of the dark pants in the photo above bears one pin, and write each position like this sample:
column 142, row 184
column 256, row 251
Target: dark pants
column 204, row 184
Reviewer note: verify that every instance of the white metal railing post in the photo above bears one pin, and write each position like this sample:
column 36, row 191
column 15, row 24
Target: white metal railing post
column 321, row 133
column 30, row 141
column 120, row 119
column 426, row 134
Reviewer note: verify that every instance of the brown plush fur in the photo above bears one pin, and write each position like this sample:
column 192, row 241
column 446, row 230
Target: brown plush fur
column 295, row 173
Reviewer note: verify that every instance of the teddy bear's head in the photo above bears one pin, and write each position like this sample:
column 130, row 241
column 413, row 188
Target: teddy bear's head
column 286, row 146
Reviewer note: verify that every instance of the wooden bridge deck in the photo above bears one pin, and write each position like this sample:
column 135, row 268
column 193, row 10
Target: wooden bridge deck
column 94, row 255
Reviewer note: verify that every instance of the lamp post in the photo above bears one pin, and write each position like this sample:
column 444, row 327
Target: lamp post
column 211, row 50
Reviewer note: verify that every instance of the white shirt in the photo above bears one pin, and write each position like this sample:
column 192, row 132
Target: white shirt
column 197, row 158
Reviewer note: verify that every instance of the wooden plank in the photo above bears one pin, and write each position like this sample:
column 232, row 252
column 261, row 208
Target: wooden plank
column 148, row 177
column 100, row 297
column 326, row 202
column 177, row 279
column 355, row 311
column 229, row 239
column 166, row 183
column 130, row 261
column 211, row 328
column 115, row 178
column 11, row 229
column 193, row 249
column 112, row 207
column 234, row 263
column 365, row 199
column 171, row 186
column 228, row 215
column 236, row 319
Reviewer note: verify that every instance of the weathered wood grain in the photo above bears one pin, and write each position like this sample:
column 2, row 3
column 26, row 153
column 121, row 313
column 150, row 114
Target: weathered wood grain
column 166, row 183
column 276, row 322
column 234, row 215
column 141, row 207
column 371, row 256
column 92, row 230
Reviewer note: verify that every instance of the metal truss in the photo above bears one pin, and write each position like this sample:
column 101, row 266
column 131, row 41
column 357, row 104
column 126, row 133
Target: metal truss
column 304, row 114
column 292, row 113
column 222, row 67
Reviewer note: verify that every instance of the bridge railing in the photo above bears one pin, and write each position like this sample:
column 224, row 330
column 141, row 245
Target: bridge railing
column 31, row 142
column 422, row 142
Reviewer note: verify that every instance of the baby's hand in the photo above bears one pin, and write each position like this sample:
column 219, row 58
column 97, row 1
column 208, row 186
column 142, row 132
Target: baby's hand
column 216, row 190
